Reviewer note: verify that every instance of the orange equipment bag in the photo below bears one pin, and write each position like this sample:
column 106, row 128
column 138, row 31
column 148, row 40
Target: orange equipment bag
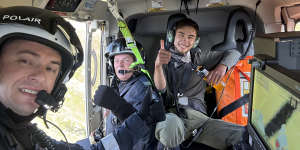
column 237, row 85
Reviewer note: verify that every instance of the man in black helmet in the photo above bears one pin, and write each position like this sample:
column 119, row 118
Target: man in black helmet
column 129, row 89
column 39, row 52
column 184, row 88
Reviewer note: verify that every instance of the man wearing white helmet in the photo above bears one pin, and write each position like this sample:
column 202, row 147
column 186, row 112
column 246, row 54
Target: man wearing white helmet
column 39, row 52
column 128, row 93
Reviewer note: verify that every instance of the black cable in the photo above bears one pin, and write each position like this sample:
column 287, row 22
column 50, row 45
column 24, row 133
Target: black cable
column 253, row 28
column 201, row 128
column 60, row 132
column 197, row 6
column 180, row 6
column 46, row 121
column 186, row 6
column 39, row 137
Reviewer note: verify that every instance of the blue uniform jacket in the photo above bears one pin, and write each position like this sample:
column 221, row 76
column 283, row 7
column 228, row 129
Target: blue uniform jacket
column 123, row 138
column 134, row 91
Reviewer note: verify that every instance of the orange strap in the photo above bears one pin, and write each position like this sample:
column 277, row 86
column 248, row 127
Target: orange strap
column 244, row 74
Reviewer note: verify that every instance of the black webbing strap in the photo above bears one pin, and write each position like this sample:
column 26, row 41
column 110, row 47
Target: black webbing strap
column 234, row 105
column 174, row 90
column 186, row 76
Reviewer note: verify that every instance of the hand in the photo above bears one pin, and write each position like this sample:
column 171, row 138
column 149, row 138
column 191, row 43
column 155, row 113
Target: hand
column 163, row 56
column 152, row 111
column 216, row 75
column 106, row 97
column 96, row 135
column 103, row 96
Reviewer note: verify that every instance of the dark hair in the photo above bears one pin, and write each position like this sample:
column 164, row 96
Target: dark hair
column 5, row 43
column 187, row 22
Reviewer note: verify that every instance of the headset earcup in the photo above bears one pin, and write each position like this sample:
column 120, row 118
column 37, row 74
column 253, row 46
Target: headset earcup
column 59, row 95
column 169, row 39
column 170, row 36
column 196, row 42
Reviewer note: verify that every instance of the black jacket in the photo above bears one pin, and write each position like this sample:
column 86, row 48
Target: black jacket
column 17, row 133
column 10, row 131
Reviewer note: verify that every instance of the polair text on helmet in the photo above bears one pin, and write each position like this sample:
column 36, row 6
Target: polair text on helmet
column 21, row 18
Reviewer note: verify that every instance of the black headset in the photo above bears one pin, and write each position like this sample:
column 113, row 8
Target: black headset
column 171, row 29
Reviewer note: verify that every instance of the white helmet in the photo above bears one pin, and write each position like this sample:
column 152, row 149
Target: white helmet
column 45, row 27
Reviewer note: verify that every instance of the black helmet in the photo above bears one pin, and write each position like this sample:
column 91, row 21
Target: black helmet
column 45, row 27
column 119, row 47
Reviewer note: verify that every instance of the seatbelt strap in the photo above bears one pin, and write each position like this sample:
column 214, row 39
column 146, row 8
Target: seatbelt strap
column 172, row 77
column 244, row 74
column 233, row 106
column 178, row 89
column 186, row 77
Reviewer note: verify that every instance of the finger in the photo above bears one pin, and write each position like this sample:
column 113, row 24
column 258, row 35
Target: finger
column 165, row 60
column 162, row 44
column 219, row 78
column 164, row 56
column 165, row 53
column 208, row 78
column 214, row 78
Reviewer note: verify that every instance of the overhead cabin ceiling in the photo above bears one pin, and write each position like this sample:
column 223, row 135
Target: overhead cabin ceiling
column 93, row 9
column 155, row 23
column 8, row 3
column 97, row 9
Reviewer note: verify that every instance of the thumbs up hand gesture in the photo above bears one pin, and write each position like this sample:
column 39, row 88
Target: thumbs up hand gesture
column 163, row 56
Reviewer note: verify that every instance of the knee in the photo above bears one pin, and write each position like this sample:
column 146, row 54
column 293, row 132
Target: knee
column 170, row 132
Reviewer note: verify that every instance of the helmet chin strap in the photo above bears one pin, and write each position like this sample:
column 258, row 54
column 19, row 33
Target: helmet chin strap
column 125, row 71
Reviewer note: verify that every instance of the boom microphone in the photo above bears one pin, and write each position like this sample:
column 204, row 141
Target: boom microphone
column 45, row 99
column 125, row 71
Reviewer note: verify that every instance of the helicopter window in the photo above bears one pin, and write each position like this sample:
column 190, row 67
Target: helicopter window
column 297, row 26
column 71, row 122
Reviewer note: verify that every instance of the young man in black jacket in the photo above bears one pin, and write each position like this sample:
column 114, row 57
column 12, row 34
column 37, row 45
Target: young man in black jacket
column 174, row 76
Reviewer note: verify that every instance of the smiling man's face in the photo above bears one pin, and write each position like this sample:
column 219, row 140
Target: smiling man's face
column 26, row 67
column 185, row 38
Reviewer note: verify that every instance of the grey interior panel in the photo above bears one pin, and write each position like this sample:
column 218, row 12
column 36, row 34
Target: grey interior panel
column 150, row 28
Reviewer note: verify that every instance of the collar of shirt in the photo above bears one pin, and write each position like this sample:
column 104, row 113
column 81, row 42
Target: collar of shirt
column 180, row 59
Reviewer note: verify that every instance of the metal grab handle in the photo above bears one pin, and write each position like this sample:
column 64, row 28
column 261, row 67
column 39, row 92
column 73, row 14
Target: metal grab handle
column 94, row 55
